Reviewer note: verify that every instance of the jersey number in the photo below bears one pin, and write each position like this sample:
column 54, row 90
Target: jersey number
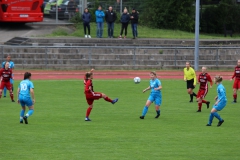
column 23, row 87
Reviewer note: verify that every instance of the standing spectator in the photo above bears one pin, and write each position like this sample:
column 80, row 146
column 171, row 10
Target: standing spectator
column 71, row 9
column 86, row 17
column 134, row 22
column 99, row 19
column 125, row 18
column 11, row 66
column 110, row 19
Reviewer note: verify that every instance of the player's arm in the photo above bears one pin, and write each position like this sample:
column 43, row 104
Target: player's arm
column 221, row 95
column 32, row 94
column 18, row 90
column 234, row 75
column 195, row 78
column 184, row 77
column 91, row 70
column 210, row 80
column 146, row 89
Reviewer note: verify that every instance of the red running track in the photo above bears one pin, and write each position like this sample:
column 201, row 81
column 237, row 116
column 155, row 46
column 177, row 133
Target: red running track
column 60, row 75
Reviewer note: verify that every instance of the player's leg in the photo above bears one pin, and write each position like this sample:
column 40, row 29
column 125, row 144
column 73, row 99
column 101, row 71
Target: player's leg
column 9, row 87
column 199, row 99
column 0, row 93
column 22, row 112
column 235, row 88
column 90, row 101
column 2, row 86
column 4, row 92
column 214, row 113
column 145, row 108
column 106, row 98
column 28, row 103
column 158, row 102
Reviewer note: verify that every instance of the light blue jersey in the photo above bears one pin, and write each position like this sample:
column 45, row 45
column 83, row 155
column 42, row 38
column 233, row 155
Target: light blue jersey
column 155, row 95
column 11, row 64
column 24, row 93
column 221, row 97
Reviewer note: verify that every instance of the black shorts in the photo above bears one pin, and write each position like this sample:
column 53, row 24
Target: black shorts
column 190, row 84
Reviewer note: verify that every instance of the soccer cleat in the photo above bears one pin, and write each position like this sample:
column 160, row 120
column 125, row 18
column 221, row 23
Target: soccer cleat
column 141, row 117
column 220, row 123
column 21, row 122
column 114, row 101
column 199, row 111
column 208, row 104
column 234, row 101
column 191, row 101
column 25, row 119
column 87, row 119
column 157, row 115
column 13, row 101
column 208, row 125
column 4, row 96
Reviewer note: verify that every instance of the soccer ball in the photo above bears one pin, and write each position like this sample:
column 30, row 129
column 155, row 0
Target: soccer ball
column 137, row 80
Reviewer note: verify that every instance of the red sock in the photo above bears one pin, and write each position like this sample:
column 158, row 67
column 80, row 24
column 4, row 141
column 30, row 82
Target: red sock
column 204, row 101
column 88, row 111
column 235, row 96
column 0, row 94
column 199, row 106
column 107, row 99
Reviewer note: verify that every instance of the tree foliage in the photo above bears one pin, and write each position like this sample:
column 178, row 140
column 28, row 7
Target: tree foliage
column 170, row 14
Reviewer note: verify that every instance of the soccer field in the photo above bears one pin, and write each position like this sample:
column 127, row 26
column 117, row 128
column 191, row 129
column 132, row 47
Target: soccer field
column 57, row 129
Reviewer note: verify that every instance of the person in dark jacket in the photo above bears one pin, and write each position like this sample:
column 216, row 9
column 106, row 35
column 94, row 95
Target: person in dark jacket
column 86, row 17
column 71, row 7
column 134, row 22
column 125, row 18
column 110, row 18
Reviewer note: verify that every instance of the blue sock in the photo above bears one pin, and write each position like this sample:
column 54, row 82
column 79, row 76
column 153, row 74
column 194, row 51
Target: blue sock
column 211, row 116
column 22, row 114
column 5, row 91
column 217, row 116
column 30, row 112
column 144, row 112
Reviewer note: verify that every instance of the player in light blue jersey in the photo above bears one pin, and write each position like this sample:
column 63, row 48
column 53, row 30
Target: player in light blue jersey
column 26, row 97
column 221, row 101
column 155, row 95
column 11, row 66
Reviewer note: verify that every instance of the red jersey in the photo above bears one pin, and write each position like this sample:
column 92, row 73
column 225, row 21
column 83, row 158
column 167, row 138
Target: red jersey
column 203, row 79
column 5, row 75
column 236, row 73
column 88, row 86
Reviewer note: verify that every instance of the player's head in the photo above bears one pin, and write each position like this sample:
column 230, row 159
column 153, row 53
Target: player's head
column 188, row 64
column 153, row 75
column 89, row 75
column 8, row 58
column 218, row 79
column 238, row 63
column 6, row 65
column 27, row 75
column 204, row 69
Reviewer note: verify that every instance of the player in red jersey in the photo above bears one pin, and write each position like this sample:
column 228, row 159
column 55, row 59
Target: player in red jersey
column 236, row 84
column 203, row 79
column 5, row 76
column 91, row 95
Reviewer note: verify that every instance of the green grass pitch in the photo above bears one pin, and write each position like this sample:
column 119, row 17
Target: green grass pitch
column 57, row 129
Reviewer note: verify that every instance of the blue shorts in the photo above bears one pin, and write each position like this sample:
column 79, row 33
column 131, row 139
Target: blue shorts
column 157, row 98
column 25, row 101
column 220, row 105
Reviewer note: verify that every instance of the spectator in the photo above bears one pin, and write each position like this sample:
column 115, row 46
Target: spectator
column 110, row 19
column 134, row 22
column 71, row 9
column 86, row 17
column 99, row 19
column 125, row 18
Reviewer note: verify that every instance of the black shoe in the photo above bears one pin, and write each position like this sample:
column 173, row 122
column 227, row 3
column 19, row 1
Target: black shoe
column 208, row 125
column 21, row 122
column 157, row 115
column 134, row 38
column 208, row 104
column 13, row 101
column 234, row 101
column 87, row 119
column 4, row 96
column 25, row 119
column 141, row 117
column 199, row 111
column 220, row 123
column 191, row 101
